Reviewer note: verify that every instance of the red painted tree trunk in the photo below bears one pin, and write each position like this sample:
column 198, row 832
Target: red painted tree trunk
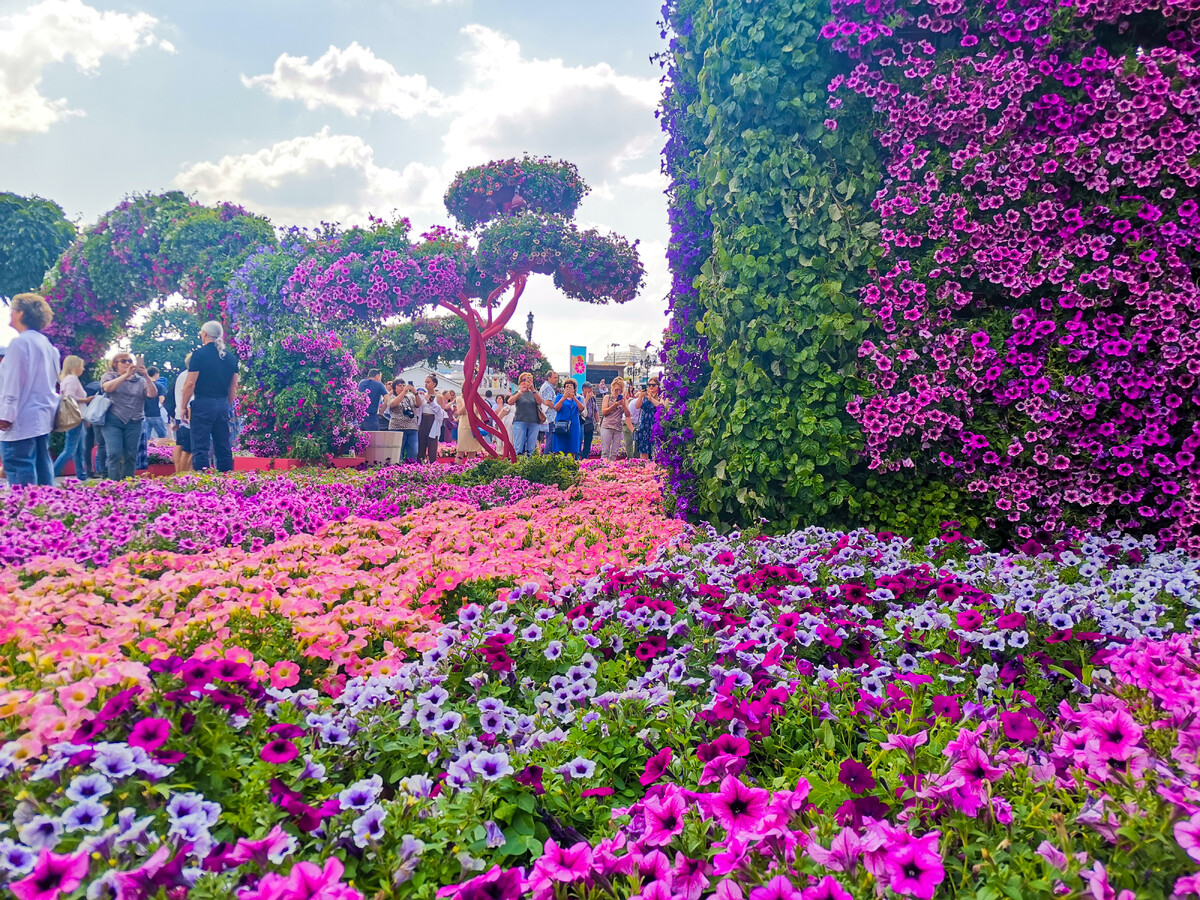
column 481, row 418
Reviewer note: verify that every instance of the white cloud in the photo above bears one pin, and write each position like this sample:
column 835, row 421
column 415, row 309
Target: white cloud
column 592, row 115
column 353, row 80
column 509, row 104
column 54, row 31
column 322, row 177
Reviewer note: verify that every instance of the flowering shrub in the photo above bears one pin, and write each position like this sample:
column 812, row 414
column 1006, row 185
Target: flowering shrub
column 147, row 247
column 160, row 454
column 477, row 195
column 303, row 401
column 816, row 715
column 370, row 275
column 1039, row 282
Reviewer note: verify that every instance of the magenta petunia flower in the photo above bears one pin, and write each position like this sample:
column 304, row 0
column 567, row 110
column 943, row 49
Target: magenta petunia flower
column 855, row 776
column 1018, row 727
column 150, row 733
column 827, row 888
column 778, row 888
column 664, row 818
column 566, row 864
column 738, row 807
column 54, row 874
column 914, row 866
column 655, row 767
column 279, row 751
column 1187, row 833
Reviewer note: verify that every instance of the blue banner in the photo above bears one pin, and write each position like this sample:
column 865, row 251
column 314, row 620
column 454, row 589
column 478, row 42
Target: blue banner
column 578, row 369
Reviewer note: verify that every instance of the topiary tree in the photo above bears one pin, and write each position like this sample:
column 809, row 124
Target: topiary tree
column 519, row 212
column 33, row 232
column 148, row 247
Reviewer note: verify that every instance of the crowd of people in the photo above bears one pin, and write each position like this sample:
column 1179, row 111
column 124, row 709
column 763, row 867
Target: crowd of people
column 131, row 405
column 554, row 418
column 123, row 410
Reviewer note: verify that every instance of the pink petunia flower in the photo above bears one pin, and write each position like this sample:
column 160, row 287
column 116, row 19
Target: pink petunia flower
column 150, row 733
column 655, row 767
column 53, row 875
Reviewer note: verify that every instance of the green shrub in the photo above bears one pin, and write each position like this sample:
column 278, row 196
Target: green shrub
column 555, row 469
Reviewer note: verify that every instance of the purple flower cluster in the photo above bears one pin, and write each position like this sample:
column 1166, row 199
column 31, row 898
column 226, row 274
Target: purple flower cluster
column 1040, row 229
column 685, row 350
column 198, row 513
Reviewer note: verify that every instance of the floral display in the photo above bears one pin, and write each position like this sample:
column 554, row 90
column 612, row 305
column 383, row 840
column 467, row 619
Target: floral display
column 302, row 399
column 148, row 247
column 1040, row 228
column 200, row 513
column 479, row 194
column 819, row 714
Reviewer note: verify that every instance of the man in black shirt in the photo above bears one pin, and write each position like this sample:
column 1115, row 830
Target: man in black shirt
column 210, row 388
column 375, row 391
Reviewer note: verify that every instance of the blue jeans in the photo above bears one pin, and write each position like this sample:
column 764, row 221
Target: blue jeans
column 210, row 434
column 27, row 461
column 121, row 446
column 525, row 437
column 154, row 427
column 410, row 443
column 100, row 462
column 72, row 450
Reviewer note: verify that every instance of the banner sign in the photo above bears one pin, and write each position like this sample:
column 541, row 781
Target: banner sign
column 579, row 366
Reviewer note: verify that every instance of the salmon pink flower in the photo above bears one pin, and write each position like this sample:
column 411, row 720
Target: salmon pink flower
column 284, row 674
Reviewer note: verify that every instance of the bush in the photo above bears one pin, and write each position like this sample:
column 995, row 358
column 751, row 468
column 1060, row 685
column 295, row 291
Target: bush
column 555, row 469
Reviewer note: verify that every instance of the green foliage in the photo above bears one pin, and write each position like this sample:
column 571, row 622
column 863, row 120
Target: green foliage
column 793, row 239
column 915, row 505
column 166, row 338
column 556, row 469
column 33, row 232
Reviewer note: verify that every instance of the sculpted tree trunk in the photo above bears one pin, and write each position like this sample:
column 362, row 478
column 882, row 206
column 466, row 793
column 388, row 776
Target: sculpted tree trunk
column 481, row 418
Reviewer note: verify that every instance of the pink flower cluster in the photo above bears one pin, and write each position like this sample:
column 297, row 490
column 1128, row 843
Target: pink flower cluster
column 1038, row 300
column 373, row 284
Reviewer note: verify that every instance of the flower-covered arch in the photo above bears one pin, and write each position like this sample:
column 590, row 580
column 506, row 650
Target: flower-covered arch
column 148, row 247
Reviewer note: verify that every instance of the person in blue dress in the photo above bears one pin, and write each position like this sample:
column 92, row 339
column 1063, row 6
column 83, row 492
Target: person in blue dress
column 567, row 407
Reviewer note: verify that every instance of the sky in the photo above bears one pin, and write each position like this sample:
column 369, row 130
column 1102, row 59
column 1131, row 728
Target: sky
column 329, row 110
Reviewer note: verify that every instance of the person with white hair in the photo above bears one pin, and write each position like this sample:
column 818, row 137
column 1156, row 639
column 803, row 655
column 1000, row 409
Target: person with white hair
column 28, row 394
column 208, row 395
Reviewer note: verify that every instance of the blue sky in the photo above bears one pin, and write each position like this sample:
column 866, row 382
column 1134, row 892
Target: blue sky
column 310, row 111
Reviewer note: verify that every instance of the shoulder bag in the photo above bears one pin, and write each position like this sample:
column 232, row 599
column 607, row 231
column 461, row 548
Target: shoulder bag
column 97, row 409
column 68, row 415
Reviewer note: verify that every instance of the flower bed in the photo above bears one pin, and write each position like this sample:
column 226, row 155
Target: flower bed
column 199, row 513
column 819, row 715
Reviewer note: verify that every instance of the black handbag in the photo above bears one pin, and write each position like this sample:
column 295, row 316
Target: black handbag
column 562, row 428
